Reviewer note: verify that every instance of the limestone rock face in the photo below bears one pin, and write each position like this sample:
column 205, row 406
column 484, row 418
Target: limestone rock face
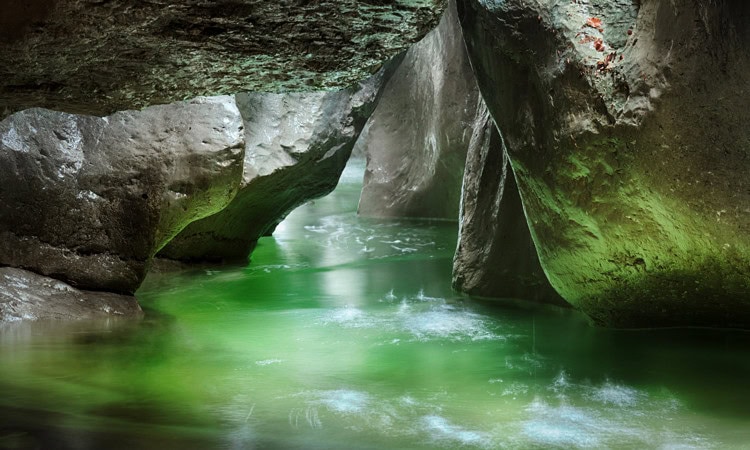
column 90, row 200
column 297, row 147
column 97, row 57
column 626, row 126
column 27, row 296
column 496, row 256
column 416, row 140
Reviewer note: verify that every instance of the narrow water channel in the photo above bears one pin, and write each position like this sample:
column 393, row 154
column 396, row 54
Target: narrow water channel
column 343, row 333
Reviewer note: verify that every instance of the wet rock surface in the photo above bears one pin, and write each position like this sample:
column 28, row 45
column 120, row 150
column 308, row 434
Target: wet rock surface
column 625, row 124
column 97, row 57
column 90, row 200
column 28, row 296
column 416, row 140
column 496, row 256
column 297, row 147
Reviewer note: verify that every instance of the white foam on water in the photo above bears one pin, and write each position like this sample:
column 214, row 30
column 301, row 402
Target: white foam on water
column 441, row 429
column 424, row 318
column 615, row 394
column 344, row 400
column 268, row 362
column 445, row 323
column 616, row 417
column 564, row 426
column 350, row 317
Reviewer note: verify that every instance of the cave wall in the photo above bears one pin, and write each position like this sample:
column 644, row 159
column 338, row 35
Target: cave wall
column 496, row 256
column 416, row 140
column 628, row 138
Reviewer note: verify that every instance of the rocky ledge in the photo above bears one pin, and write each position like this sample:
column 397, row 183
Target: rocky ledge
column 28, row 296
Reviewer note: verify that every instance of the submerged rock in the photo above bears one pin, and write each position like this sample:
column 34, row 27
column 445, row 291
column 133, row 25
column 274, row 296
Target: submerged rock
column 90, row 200
column 626, row 126
column 496, row 256
column 97, row 57
column 416, row 140
column 26, row 295
column 297, row 147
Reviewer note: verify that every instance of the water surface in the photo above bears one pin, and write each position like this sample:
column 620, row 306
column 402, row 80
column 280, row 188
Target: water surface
column 343, row 333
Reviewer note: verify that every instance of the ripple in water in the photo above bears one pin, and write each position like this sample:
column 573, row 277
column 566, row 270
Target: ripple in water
column 423, row 318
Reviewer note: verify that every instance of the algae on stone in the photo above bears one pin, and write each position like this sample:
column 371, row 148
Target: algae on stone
column 90, row 200
column 297, row 147
column 632, row 167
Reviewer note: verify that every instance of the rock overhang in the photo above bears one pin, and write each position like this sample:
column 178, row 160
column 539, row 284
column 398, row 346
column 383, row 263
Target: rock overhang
column 97, row 57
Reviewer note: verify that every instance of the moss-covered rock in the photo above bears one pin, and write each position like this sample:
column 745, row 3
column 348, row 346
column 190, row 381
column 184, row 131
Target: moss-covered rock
column 626, row 125
column 297, row 147
column 90, row 200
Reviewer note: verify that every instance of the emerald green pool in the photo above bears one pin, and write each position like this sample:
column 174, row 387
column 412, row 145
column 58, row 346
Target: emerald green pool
column 343, row 333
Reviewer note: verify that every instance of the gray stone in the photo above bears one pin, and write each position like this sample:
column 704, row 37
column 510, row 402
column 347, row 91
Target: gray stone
column 97, row 57
column 416, row 140
column 90, row 200
column 630, row 147
column 28, row 296
column 297, row 147
column 496, row 256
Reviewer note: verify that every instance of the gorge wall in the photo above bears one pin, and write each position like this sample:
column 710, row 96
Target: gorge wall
column 625, row 124
column 416, row 140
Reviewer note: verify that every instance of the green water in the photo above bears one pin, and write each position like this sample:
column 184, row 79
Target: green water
column 343, row 333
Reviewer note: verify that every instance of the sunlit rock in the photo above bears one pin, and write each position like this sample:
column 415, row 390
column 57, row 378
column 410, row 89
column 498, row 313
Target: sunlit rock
column 297, row 147
column 27, row 296
column 90, row 200
column 626, row 126
column 496, row 256
column 97, row 57
column 417, row 138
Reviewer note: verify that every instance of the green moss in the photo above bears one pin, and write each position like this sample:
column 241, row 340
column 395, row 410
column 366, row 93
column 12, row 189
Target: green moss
column 615, row 246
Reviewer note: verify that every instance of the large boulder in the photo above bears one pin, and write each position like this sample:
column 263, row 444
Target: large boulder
column 626, row 126
column 90, row 200
column 297, row 145
column 27, row 296
column 496, row 256
column 97, row 57
column 416, row 140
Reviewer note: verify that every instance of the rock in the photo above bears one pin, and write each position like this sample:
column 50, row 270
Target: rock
column 90, row 200
column 416, row 140
column 297, row 147
column 27, row 296
column 496, row 256
column 97, row 57
column 630, row 146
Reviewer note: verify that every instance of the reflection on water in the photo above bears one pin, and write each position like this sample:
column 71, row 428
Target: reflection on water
column 344, row 333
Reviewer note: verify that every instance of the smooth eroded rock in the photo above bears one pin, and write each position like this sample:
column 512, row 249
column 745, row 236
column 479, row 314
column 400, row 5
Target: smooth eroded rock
column 97, row 57
column 297, row 147
column 90, row 200
column 416, row 140
column 496, row 256
column 28, row 296
column 626, row 125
